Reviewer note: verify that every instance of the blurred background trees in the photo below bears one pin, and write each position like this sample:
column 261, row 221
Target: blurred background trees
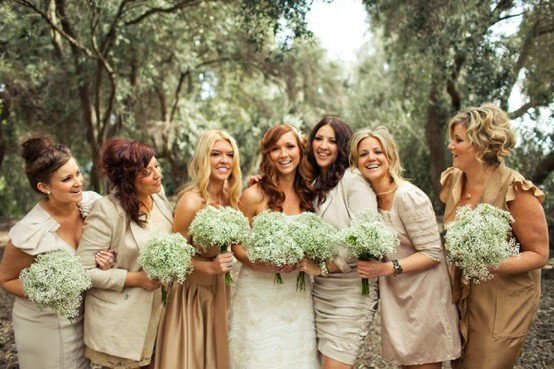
column 163, row 71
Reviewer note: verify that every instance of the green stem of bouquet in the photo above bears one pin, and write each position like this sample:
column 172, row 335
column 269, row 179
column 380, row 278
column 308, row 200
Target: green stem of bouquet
column 301, row 281
column 365, row 287
column 278, row 279
column 228, row 278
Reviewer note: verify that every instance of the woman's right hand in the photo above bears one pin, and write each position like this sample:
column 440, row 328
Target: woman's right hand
column 254, row 179
column 270, row 268
column 222, row 263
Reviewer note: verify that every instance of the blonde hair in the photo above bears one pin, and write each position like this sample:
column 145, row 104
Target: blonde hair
column 390, row 149
column 488, row 131
column 199, row 169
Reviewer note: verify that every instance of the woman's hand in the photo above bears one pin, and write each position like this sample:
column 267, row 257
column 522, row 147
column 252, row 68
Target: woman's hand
column 309, row 266
column 105, row 259
column 373, row 268
column 139, row 279
column 222, row 263
column 270, row 268
column 254, row 179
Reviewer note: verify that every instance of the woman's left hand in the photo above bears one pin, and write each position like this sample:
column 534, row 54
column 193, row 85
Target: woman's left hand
column 105, row 259
column 373, row 269
column 309, row 266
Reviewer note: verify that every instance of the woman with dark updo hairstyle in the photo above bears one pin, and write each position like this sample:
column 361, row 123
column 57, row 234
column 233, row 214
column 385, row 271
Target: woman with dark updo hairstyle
column 42, row 338
column 123, row 308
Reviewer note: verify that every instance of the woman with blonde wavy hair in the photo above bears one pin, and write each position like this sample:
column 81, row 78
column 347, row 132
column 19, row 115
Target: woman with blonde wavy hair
column 418, row 320
column 495, row 315
column 193, row 332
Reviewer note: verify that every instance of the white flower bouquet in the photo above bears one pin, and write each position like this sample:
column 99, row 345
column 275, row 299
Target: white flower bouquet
column 222, row 227
column 478, row 239
column 168, row 258
column 369, row 237
column 56, row 281
column 270, row 242
column 316, row 238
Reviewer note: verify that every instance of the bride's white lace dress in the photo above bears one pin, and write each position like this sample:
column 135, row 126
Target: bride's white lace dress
column 272, row 325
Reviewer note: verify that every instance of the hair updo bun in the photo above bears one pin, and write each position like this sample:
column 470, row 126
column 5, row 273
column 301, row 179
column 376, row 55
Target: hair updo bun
column 43, row 156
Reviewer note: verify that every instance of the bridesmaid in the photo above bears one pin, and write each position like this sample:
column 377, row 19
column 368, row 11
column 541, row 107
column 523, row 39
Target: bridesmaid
column 42, row 338
column 123, row 307
column 193, row 333
column 418, row 319
column 495, row 315
column 341, row 312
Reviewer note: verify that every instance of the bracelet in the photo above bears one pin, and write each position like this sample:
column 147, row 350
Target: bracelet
column 396, row 268
column 324, row 269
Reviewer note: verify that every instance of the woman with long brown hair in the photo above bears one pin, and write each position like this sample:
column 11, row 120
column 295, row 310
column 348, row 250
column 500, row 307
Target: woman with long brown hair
column 272, row 325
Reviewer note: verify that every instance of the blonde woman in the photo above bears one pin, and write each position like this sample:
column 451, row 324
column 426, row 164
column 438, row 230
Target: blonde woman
column 419, row 321
column 496, row 314
column 193, row 333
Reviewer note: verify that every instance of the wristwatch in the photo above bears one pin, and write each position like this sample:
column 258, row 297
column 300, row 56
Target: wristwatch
column 396, row 268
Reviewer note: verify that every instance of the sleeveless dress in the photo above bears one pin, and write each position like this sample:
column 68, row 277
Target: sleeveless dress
column 193, row 330
column 272, row 325
column 43, row 339
column 342, row 314
column 496, row 315
column 419, row 322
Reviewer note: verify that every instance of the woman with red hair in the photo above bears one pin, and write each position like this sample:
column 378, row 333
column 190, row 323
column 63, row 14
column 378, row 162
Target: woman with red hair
column 272, row 325
column 123, row 308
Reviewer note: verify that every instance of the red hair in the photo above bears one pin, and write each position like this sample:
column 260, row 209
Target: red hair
column 268, row 183
column 121, row 160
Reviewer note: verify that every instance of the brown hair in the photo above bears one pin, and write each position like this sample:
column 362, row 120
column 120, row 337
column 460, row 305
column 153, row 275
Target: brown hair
column 268, row 183
column 343, row 135
column 43, row 156
column 121, row 160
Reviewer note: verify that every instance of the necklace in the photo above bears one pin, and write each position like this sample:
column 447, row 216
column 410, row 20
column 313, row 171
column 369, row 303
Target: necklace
column 468, row 195
column 387, row 192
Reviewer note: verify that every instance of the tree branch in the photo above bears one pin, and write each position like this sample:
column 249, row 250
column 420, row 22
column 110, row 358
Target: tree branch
column 543, row 168
column 177, row 93
column 178, row 6
column 523, row 109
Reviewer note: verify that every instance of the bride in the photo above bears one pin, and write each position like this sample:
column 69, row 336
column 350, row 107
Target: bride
column 272, row 325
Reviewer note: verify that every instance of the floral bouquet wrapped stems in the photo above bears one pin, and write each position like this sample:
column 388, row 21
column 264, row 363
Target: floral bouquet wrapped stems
column 316, row 238
column 56, row 281
column 368, row 237
column 168, row 258
column 222, row 227
column 270, row 242
column 478, row 239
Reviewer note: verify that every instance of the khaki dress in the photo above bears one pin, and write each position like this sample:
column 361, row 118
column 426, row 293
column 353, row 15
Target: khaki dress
column 419, row 322
column 193, row 330
column 495, row 315
column 43, row 339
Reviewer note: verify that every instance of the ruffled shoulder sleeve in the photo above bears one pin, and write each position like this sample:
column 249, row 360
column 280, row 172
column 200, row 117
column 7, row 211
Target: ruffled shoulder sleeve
column 418, row 217
column 89, row 197
column 35, row 233
column 519, row 183
column 446, row 181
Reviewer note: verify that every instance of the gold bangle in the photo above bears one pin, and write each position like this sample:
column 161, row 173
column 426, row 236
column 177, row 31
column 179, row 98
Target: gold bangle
column 324, row 269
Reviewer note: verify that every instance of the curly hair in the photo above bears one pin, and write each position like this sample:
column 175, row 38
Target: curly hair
column 199, row 168
column 324, row 182
column 268, row 183
column 122, row 160
column 488, row 131
column 390, row 149
column 43, row 156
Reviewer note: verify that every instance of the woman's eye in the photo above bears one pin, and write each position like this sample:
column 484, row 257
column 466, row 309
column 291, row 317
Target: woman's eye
column 318, row 139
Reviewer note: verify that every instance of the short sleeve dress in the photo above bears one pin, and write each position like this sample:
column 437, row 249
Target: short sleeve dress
column 419, row 322
column 42, row 338
column 496, row 315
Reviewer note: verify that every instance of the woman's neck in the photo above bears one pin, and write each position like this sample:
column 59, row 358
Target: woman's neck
column 59, row 208
column 286, row 182
column 383, row 185
column 478, row 175
column 216, row 189
column 147, row 202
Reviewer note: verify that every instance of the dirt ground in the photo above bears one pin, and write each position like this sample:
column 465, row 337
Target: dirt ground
column 538, row 354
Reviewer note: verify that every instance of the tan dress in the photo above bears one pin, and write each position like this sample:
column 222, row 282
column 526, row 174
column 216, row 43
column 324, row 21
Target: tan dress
column 419, row 320
column 43, row 339
column 156, row 222
column 495, row 315
column 193, row 330
column 342, row 313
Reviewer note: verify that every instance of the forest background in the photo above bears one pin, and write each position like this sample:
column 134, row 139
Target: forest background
column 164, row 71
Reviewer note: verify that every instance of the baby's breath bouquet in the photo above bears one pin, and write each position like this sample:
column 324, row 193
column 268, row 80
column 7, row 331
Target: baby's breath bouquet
column 369, row 237
column 316, row 238
column 168, row 258
column 478, row 239
column 56, row 281
column 222, row 227
column 271, row 242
